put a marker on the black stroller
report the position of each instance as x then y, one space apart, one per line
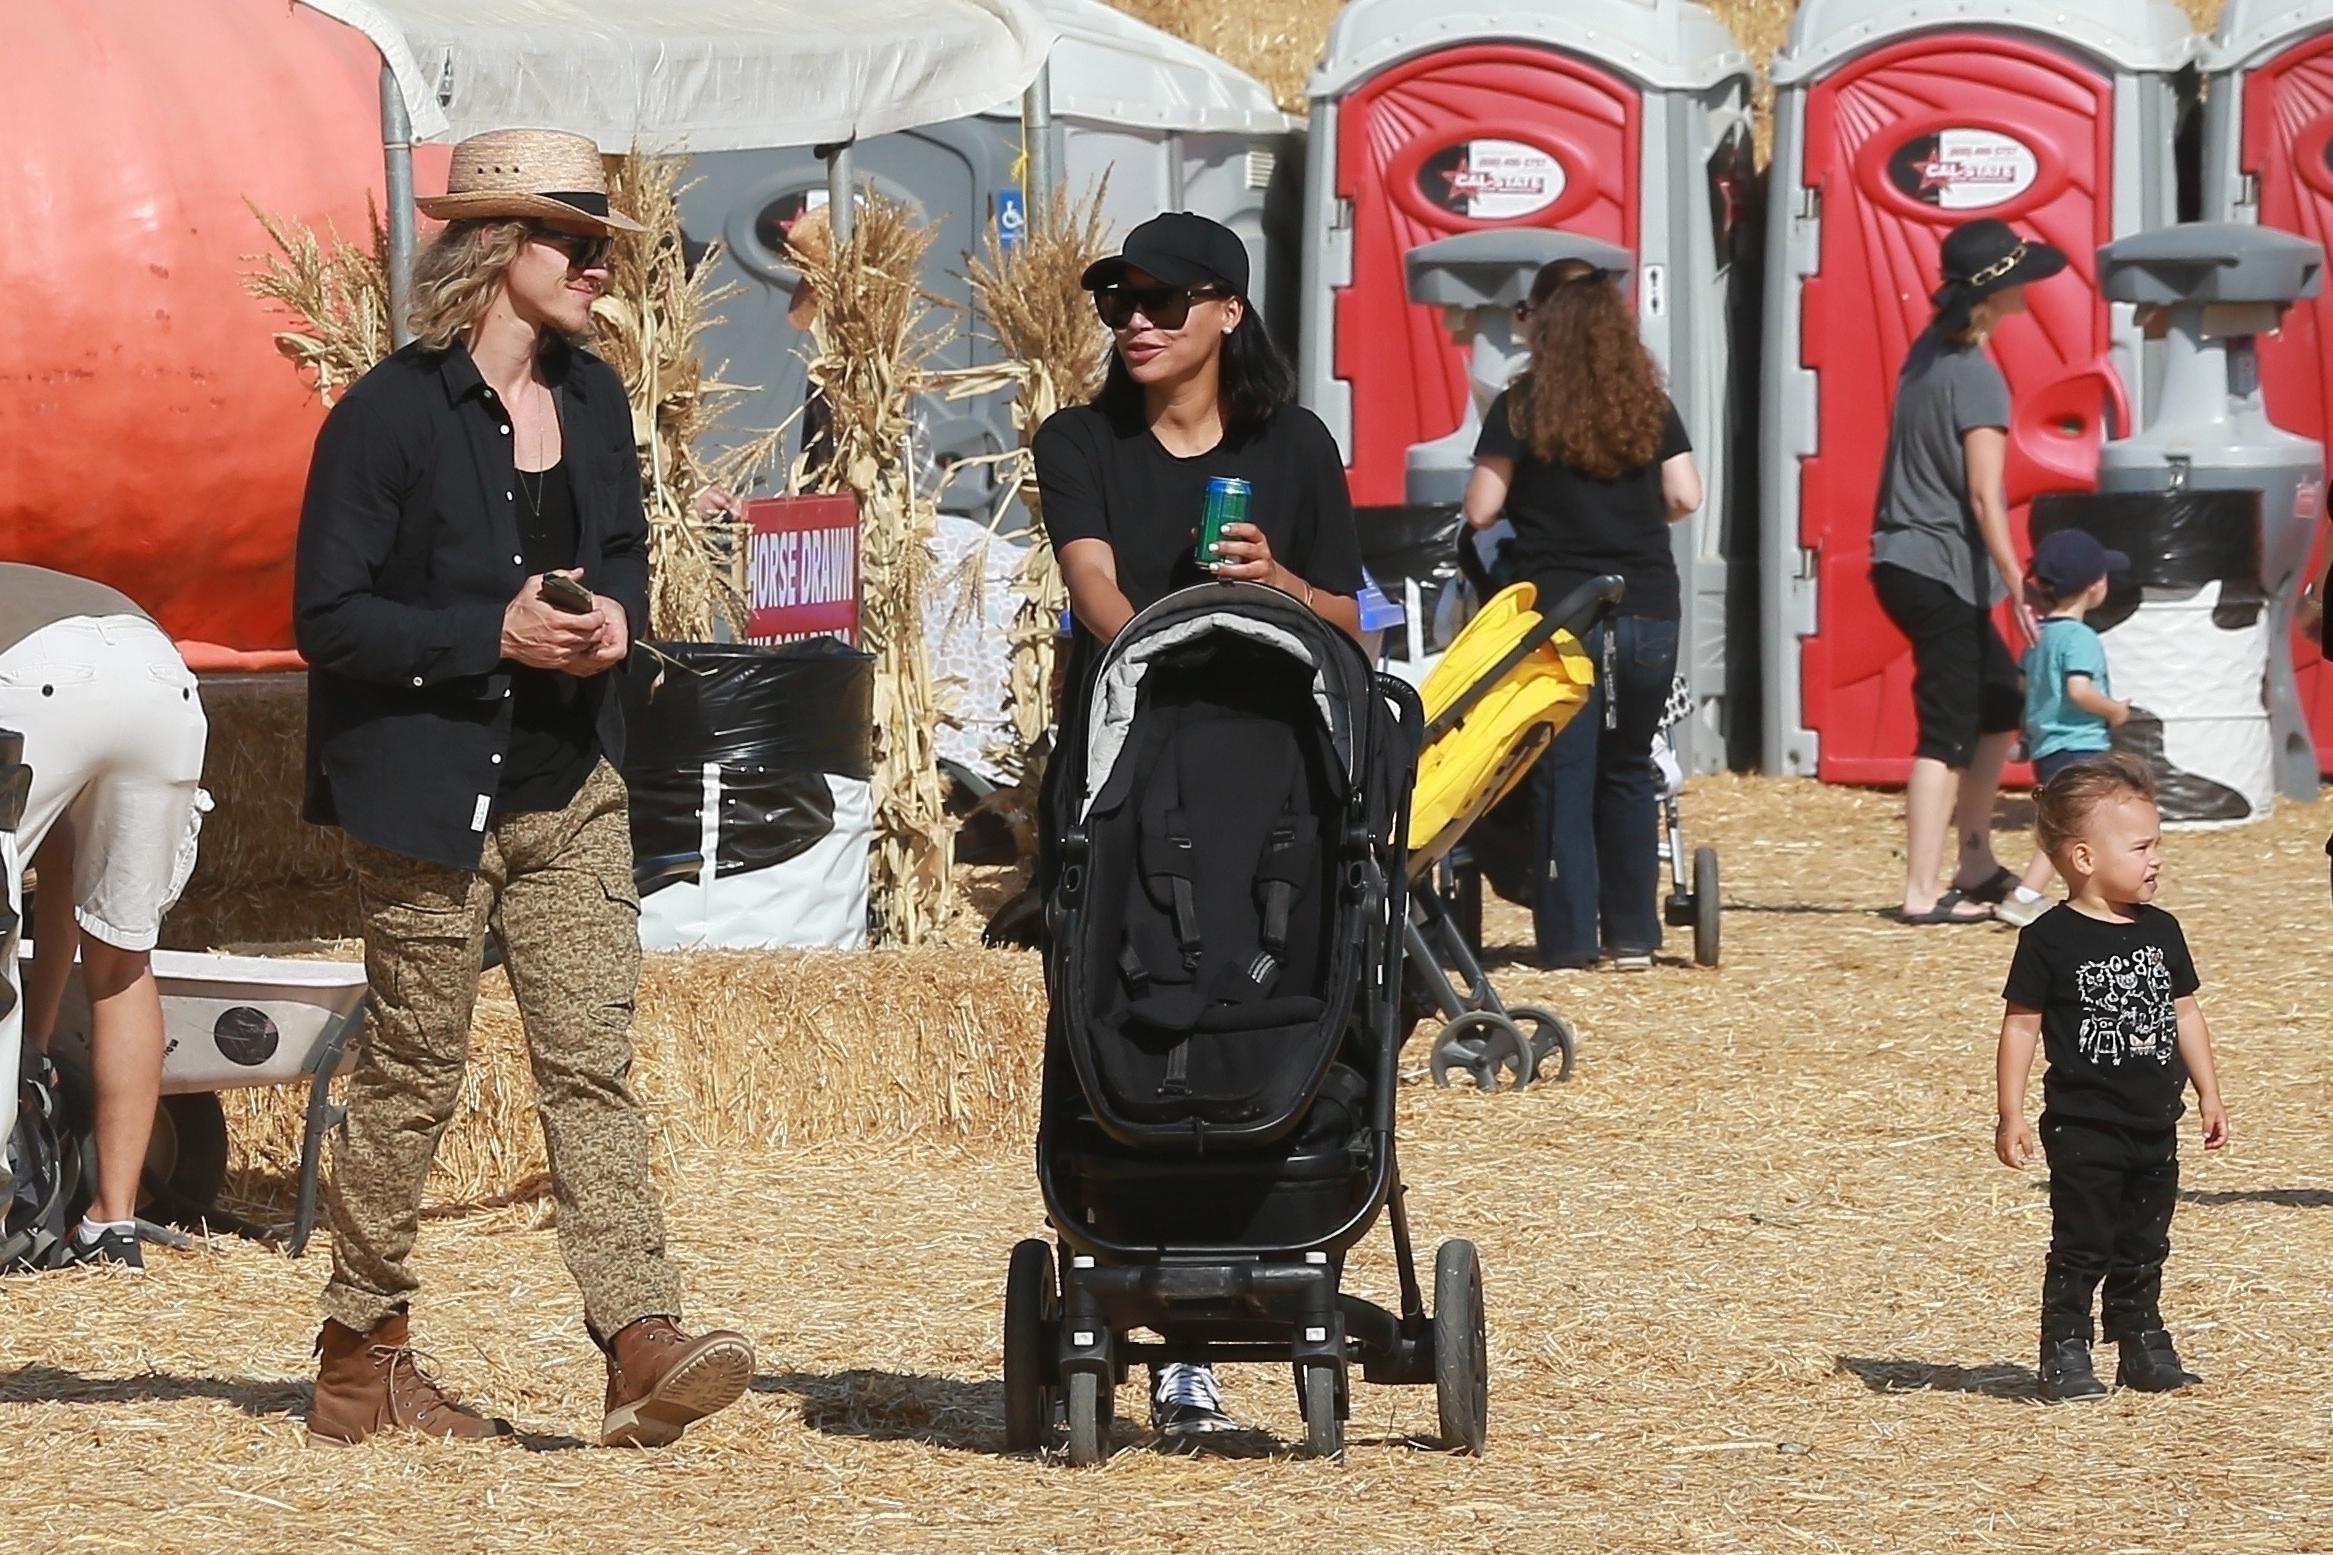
1224 969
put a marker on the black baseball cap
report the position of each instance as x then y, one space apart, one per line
1181 248
2068 560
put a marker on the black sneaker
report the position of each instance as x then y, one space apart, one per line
111 1247
1186 1400
2066 1373
2150 1365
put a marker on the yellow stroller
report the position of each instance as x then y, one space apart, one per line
1504 689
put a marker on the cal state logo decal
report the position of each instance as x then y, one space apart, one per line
1492 180
1964 170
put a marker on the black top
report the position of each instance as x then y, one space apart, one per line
409 552
2106 993
552 743
1105 479
1571 527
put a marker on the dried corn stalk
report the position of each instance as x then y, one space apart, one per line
1043 321
337 291
649 325
874 339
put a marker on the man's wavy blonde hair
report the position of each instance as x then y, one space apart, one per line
454 277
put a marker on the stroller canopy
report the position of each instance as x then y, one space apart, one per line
1250 612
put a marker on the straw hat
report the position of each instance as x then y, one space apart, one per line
548 174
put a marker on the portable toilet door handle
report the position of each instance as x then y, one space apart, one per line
2055 431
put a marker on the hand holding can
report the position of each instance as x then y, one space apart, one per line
1227 503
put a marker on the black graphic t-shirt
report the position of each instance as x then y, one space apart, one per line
2106 992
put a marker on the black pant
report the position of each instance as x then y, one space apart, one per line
2111 1193
1965 683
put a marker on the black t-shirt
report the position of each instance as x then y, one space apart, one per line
2106 992
552 743
1109 479
1571 527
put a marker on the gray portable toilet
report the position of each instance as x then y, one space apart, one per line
1622 122
2222 287
1893 123
2268 158
1172 126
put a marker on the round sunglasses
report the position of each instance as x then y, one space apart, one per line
1166 307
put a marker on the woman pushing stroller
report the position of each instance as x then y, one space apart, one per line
1195 391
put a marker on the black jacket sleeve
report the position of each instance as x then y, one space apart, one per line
349 520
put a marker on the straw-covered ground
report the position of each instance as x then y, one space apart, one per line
1755 1284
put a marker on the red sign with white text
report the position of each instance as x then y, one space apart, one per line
802 569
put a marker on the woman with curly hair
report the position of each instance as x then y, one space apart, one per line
1586 457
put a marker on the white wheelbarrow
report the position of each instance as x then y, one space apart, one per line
230 1023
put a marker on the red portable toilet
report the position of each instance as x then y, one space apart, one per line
2268 158
1624 122
1895 122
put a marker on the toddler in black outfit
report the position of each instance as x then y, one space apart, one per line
2104 982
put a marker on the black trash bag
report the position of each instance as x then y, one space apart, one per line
778 721
1409 544
2174 539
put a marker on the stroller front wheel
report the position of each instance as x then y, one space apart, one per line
1090 1406
1324 1431
1032 1309
1462 1381
1484 1045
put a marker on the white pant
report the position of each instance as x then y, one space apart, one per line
114 733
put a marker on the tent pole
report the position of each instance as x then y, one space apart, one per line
397 152
1037 129
840 209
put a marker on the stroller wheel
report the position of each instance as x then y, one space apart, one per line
1705 906
1324 1429
1031 1312
1484 1045
1090 1407
1550 1035
1462 1374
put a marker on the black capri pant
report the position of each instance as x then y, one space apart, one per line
1964 683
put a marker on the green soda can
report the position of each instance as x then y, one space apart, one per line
1227 503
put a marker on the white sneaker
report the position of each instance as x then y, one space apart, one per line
2018 912
1186 1400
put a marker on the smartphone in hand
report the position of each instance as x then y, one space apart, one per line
566 594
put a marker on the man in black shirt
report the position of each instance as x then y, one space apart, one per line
2105 983
463 731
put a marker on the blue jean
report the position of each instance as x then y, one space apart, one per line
1595 824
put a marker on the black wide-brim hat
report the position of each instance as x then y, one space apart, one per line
1985 256
1180 248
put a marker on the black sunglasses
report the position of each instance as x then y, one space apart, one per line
1167 307
584 250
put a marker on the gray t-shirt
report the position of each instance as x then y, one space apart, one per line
33 597
1925 523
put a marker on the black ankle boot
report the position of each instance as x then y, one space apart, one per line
2066 1373
2150 1365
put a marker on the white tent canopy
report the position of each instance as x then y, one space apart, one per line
675 76
1109 68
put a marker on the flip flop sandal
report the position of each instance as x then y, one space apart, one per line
1945 910
1993 890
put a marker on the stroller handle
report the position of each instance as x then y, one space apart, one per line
1578 613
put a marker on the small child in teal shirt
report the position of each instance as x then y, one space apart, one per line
2070 710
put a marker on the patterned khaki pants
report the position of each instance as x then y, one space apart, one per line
557 888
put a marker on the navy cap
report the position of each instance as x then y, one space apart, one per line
2069 560
1180 248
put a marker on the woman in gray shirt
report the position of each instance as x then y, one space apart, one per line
1941 557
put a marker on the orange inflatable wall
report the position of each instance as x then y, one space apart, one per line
150 435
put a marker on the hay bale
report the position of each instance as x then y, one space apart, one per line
736 1050
262 873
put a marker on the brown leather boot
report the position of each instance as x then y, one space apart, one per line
660 1381
367 1383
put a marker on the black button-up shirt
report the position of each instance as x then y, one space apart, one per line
409 552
